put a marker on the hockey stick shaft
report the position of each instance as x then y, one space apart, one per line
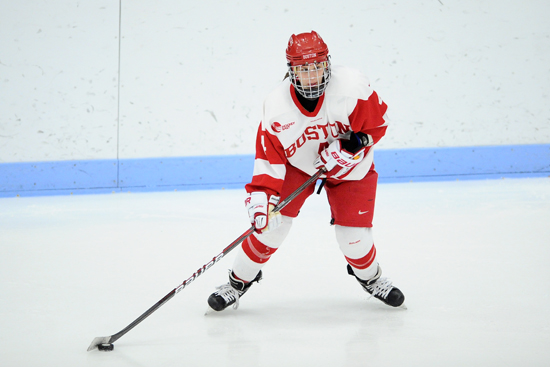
111 339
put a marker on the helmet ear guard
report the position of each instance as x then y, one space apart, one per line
306 49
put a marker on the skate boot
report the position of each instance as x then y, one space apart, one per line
381 288
229 293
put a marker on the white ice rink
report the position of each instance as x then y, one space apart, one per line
472 258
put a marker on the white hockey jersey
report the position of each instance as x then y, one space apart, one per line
289 134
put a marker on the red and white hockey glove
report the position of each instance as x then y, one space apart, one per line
337 160
260 211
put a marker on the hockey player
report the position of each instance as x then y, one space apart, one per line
319 117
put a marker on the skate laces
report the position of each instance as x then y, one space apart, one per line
381 288
229 294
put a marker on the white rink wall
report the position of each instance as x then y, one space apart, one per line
187 78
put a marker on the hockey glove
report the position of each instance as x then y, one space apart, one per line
337 160
260 211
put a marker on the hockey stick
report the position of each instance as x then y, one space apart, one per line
105 342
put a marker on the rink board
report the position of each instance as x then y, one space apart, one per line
234 171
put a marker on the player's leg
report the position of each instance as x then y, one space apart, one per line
358 248
352 209
251 257
257 249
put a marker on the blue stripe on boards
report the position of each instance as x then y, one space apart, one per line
194 173
47 178
439 164
234 171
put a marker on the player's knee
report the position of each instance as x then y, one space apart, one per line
354 241
275 237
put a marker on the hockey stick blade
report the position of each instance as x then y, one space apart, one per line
99 340
113 338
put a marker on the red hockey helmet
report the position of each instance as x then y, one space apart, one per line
308 64
306 48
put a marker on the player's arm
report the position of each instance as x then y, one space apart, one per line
369 120
368 125
267 182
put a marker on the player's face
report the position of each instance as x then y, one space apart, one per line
310 75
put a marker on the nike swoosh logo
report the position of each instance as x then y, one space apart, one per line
360 212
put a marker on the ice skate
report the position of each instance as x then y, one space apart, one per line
382 289
230 293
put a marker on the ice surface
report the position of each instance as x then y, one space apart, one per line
471 257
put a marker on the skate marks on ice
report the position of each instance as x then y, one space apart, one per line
448 246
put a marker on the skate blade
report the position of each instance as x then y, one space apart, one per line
209 311
403 306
